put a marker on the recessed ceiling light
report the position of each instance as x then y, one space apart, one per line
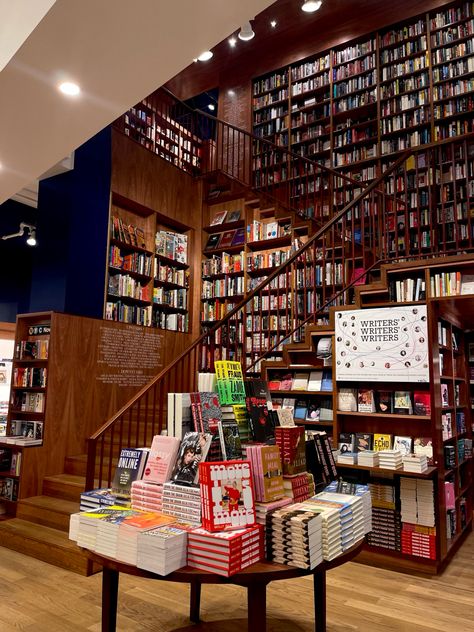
246 33
310 6
69 88
211 107
273 23
205 56
232 41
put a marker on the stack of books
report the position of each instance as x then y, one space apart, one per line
351 513
347 458
162 550
108 530
355 489
299 487
296 537
92 500
418 540
182 502
267 471
147 496
425 502
408 506
130 528
385 529
83 526
390 459
415 463
332 526
368 458
264 510
225 552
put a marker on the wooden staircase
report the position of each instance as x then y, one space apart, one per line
40 528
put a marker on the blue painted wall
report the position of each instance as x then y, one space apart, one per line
15 261
68 273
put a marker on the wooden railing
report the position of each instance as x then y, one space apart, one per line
415 208
145 414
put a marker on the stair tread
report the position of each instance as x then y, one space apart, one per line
39 533
70 479
59 505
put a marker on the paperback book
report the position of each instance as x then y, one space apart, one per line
193 449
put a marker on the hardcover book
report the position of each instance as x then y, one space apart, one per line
347 399
315 381
382 442
239 237
384 401
365 401
213 241
161 459
402 403
230 382
363 441
226 495
194 448
230 439
422 403
424 445
227 238
219 218
313 412
129 468
402 444
233 216
346 442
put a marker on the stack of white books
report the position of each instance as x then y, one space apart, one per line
425 502
296 537
417 463
182 502
356 489
408 505
162 550
390 459
147 496
368 458
347 458
336 525
108 529
130 528
354 530
85 524
264 510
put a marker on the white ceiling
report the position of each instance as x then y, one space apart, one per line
118 51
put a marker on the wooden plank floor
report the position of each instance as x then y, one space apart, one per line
37 597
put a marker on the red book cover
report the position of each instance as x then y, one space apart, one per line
226 239
291 442
227 495
422 403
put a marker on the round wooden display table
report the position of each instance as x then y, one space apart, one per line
255 578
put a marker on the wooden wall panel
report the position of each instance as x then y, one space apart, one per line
149 180
84 387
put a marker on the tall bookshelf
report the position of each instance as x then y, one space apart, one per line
148 274
443 286
357 106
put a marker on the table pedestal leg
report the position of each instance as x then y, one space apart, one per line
110 579
319 581
257 607
195 601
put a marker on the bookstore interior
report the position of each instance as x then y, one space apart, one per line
267 355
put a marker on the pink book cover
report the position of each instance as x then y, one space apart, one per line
449 495
161 459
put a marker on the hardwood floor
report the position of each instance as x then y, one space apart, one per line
37 597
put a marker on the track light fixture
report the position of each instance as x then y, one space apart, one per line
31 240
246 33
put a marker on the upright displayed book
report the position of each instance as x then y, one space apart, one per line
161 459
130 467
226 495
230 382
193 449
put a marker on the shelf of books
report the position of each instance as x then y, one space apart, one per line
27 409
402 420
159 132
357 106
148 271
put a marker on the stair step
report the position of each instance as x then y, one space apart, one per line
47 510
43 543
77 465
65 486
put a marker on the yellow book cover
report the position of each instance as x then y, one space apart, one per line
382 442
